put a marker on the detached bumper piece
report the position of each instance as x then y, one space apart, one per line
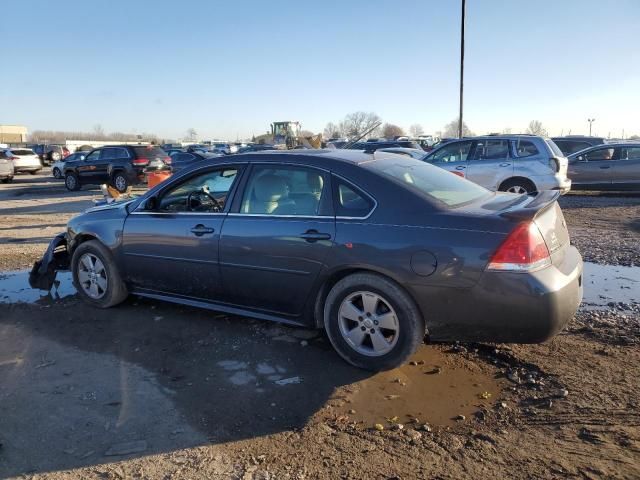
56 258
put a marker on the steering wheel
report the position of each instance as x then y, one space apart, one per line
204 191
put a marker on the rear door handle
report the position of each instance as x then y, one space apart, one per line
605 166
314 235
460 167
200 230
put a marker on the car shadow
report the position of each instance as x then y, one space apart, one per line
101 385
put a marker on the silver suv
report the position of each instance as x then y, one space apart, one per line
509 163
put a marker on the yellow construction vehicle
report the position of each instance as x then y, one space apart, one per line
287 135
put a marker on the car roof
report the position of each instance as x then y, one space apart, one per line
338 154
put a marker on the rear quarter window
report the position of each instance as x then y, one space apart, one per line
350 201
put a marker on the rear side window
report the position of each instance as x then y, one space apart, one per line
525 148
108 154
453 152
350 201
630 153
492 150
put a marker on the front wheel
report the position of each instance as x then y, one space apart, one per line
372 322
57 173
96 276
71 182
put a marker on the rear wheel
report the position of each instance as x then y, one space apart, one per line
120 182
372 322
96 276
518 185
7 180
56 172
71 182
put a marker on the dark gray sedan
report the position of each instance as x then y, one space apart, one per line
379 252
614 166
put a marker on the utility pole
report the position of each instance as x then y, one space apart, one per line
462 17
590 120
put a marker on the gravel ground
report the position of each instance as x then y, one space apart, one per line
152 390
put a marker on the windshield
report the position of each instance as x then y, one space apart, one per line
434 182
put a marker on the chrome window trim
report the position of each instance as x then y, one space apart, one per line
266 215
136 212
371 197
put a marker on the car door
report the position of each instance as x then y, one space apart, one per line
491 163
626 171
593 168
87 168
275 242
170 244
109 156
453 156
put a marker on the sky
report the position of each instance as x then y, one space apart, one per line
230 68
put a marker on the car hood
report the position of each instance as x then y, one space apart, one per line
111 206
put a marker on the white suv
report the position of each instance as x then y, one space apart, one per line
24 160
508 163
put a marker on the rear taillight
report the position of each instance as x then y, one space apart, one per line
167 160
140 161
523 250
554 164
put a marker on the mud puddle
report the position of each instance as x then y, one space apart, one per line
434 388
14 288
604 284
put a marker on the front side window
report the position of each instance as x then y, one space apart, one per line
93 156
284 190
204 193
497 149
599 154
108 154
525 148
454 152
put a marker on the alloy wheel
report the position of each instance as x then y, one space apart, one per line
368 323
92 276
70 181
120 183
517 189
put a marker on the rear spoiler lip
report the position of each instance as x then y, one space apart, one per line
540 203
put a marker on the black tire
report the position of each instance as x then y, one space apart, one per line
411 326
7 180
116 290
56 173
72 182
33 172
119 182
518 185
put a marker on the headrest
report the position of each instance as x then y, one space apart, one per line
270 188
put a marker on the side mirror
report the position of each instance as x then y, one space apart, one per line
151 203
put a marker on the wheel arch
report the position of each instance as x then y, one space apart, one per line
335 276
518 178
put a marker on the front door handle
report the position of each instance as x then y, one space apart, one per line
314 236
605 166
460 167
505 164
200 230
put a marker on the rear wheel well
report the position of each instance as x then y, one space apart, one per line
323 291
522 180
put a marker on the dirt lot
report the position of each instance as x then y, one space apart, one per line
150 390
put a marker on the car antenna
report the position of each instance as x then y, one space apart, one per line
367 132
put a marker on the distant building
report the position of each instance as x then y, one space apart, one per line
13 134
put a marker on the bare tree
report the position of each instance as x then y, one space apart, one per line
357 123
98 131
506 130
389 130
332 131
535 128
192 134
451 129
416 130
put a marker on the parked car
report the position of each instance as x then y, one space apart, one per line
49 154
119 165
574 143
24 160
508 163
325 239
224 148
181 159
606 167
57 168
6 168
416 153
256 147
372 145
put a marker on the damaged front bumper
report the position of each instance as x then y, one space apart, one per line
56 258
